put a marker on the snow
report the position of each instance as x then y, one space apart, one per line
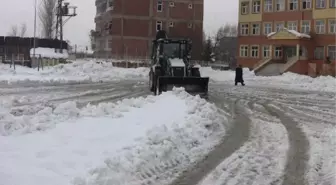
287 80
49 53
294 32
261 160
100 71
78 71
134 141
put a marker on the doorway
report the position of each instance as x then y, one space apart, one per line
290 51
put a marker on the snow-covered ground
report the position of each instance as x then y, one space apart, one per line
134 141
287 80
90 71
78 71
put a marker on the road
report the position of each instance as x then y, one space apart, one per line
267 138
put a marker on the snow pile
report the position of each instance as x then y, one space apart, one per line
79 71
294 32
133 142
49 53
287 80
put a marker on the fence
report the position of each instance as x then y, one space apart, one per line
136 62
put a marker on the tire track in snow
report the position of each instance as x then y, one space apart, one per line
297 155
236 136
260 160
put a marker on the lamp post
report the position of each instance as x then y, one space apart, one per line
35 4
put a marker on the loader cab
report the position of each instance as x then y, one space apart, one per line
171 49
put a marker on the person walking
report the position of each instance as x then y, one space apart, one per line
239 75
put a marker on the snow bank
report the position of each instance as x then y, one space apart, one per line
49 53
287 80
79 71
133 142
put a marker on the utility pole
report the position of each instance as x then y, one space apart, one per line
35 10
63 10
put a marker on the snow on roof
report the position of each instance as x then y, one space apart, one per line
49 53
294 32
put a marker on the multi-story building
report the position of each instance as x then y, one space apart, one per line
126 28
287 35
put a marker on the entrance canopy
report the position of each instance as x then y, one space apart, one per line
287 34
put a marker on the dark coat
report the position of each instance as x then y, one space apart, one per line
239 75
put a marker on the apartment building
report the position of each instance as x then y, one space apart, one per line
126 28
287 35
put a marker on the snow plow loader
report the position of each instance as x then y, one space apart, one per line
170 67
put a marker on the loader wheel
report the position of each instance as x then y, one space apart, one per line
197 73
157 89
151 84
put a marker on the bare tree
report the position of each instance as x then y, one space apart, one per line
23 29
225 42
92 39
13 31
47 17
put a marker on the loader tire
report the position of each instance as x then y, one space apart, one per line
151 82
156 87
197 73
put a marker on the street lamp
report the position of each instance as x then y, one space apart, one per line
35 4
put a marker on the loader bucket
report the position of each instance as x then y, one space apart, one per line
192 85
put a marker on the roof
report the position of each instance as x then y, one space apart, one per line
283 31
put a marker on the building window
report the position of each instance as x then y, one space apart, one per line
292 26
256 29
267 28
319 26
190 25
293 4
190 6
159 6
278 52
158 25
332 52
279 5
332 26
320 3
171 24
268 5
243 51
256 7
279 26
306 4
244 29
305 27
319 53
171 4
332 4
255 51
244 8
266 51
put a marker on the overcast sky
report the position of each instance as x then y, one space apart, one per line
217 13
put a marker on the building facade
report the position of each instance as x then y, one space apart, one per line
126 28
293 35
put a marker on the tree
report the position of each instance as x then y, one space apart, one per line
223 50
92 39
23 30
13 31
207 54
47 16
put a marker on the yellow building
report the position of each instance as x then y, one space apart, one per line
295 35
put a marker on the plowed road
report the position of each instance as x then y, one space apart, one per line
276 136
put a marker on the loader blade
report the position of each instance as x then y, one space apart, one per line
192 85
